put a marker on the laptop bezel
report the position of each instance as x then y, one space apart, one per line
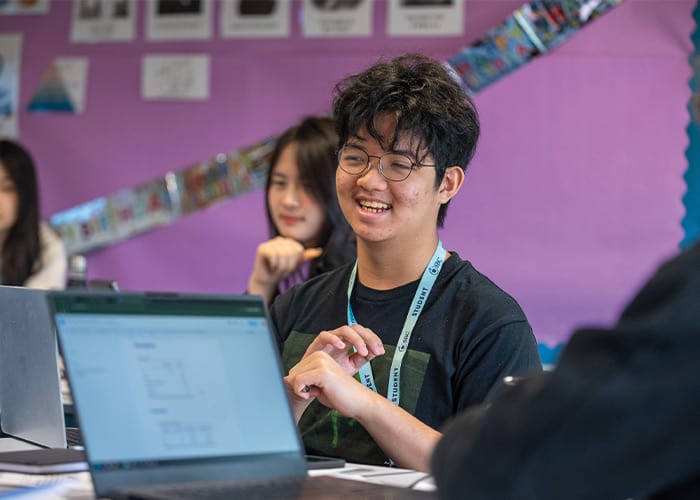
129 476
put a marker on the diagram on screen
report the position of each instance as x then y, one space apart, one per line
185 435
165 378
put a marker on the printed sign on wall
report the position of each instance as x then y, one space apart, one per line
425 17
103 20
175 20
10 56
255 18
336 18
175 77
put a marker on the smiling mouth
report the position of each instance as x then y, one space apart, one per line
374 207
288 219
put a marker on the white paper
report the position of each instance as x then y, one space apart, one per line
48 486
22 7
255 18
425 17
175 77
178 20
10 56
73 71
336 18
103 20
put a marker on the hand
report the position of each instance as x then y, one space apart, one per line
319 376
276 259
336 343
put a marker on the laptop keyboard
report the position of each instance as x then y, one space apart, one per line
250 490
73 437
314 488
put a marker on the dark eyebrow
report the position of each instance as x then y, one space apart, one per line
409 153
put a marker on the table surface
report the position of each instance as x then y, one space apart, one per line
78 486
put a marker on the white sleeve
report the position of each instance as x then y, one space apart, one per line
51 271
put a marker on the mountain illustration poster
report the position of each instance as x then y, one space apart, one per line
62 88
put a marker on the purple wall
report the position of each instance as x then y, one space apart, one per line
572 200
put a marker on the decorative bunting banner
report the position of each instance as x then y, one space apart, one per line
691 199
132 211
532 30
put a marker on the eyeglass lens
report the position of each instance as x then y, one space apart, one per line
393 166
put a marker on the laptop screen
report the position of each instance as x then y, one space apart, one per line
173 378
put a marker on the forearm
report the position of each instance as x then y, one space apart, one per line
405 439
299 406
265 290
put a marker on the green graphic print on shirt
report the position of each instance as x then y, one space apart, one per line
327 432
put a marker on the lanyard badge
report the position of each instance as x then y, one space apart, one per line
419 299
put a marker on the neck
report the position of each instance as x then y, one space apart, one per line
382 266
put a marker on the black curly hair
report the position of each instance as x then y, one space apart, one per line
428 105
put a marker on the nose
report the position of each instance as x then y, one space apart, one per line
291 195
372 173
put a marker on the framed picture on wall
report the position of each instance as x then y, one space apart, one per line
10 57
23 7
178 20
425 17
103 21
336 18
255 18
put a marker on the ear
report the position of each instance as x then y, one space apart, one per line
451 182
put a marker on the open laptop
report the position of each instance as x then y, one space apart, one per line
179 393
31 406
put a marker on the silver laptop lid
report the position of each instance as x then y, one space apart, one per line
176 388
31 406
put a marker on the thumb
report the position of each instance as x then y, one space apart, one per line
311 253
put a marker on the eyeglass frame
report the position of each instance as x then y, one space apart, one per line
368 167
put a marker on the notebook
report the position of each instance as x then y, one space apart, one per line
179 393
31 407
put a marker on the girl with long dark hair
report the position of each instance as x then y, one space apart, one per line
309 234
31 254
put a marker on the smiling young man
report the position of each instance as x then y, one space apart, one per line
381 353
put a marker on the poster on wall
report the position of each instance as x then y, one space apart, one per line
425 17
336 18
103 21
255 18
22 7
10 56
175 77
178 20
62 88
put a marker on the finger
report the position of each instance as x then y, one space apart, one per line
328 338
270 260
352 338
371 340
358 361
311 253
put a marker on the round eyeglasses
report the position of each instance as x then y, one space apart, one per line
394 167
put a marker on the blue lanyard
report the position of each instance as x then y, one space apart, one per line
419 299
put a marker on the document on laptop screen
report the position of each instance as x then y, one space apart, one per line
180 386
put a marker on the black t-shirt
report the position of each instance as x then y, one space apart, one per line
469 335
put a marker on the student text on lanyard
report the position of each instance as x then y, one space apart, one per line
419 299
